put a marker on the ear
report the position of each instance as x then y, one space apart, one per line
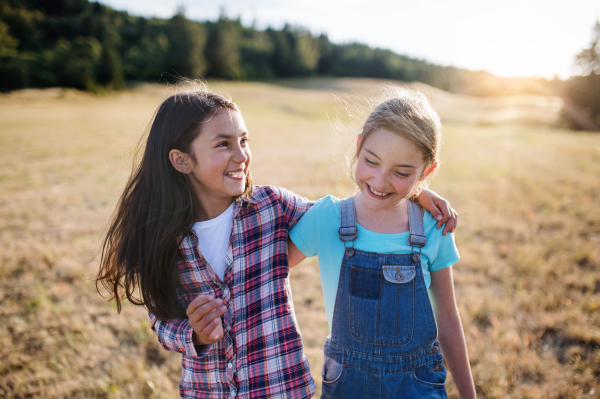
428 171
180 161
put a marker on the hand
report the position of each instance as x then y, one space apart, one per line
204 315
440 209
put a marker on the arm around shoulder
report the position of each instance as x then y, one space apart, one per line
293 205
440 209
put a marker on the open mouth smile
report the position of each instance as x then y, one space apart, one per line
235 175
378 194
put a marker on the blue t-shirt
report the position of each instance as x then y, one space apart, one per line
316 233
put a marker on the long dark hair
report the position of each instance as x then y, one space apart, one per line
157 209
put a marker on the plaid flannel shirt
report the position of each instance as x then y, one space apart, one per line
260 354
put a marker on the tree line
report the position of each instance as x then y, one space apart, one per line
90 46
582 92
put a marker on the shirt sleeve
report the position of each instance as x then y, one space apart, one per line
293 205
442 250
447 254
305 234
176 335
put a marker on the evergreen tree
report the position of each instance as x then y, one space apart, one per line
223 49
110 71
144 48
256 49
282 52
8 44
305 52
187 40
75 64
13 70
325 66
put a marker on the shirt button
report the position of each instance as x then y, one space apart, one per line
232 392
228 328
230 365
225 291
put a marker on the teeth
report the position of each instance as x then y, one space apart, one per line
235 174
378 193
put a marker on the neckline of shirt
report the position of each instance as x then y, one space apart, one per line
216 220
372 233
381 235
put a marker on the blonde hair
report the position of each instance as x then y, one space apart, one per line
408 114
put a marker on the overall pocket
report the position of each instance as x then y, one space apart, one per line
382 304
332 371
432 374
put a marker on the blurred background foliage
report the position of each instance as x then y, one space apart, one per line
90 46
583 91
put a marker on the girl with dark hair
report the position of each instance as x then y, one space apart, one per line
206 252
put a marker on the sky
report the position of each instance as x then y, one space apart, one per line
507 38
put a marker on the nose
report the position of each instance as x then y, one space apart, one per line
379 180
241 154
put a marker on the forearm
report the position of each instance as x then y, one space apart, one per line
440 209
454 349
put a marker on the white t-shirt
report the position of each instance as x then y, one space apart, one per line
213 239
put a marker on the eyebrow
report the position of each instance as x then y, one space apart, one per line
228 136
401 165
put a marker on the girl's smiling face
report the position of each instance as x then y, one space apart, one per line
221 158
388 168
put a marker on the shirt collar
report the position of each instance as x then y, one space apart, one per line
241 202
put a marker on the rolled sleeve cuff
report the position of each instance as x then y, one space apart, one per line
187 343
202 350
178 336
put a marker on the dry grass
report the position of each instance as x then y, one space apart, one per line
528 282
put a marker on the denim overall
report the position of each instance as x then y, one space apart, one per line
383 343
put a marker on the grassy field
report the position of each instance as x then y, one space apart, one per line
528 282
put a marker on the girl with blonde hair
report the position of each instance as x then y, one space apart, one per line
386 270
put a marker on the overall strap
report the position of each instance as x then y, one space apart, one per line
415 223
347 229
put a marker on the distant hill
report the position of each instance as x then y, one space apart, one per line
532 109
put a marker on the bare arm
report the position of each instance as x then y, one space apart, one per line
450 332
294 254
440 209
